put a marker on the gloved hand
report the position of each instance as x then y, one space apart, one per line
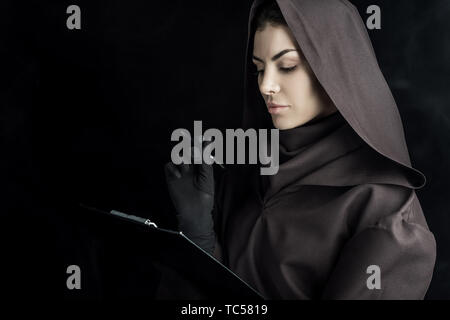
191 188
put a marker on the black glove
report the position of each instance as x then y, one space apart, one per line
191 188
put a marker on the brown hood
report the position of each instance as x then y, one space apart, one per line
335 42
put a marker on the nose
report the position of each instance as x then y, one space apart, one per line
269 85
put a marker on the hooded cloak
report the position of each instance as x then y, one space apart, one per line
343 201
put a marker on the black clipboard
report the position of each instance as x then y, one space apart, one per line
186 270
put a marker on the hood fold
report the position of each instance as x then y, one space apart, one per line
334 40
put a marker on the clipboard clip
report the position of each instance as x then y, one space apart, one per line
150 223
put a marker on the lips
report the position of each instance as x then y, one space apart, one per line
276 108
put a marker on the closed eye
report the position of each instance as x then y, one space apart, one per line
284 70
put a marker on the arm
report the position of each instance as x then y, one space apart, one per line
404 251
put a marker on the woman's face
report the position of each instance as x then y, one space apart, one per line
292 93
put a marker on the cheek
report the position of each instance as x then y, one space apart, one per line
299 87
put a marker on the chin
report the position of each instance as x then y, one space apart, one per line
282 123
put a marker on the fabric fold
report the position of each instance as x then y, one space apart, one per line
344 196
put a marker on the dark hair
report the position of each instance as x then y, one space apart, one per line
268 12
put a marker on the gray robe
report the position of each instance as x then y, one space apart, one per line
343 201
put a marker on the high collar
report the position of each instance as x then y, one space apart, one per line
293 141
306 149
328 152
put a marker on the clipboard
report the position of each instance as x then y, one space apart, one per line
186 270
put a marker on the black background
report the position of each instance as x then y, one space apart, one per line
86 116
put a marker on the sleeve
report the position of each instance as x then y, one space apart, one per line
390 260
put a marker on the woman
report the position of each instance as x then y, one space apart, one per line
340 219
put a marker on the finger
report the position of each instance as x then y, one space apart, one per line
205 178
196 155
205 141
171 171
185 168
206 170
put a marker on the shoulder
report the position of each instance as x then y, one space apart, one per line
384 206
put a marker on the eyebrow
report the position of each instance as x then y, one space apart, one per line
277 56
